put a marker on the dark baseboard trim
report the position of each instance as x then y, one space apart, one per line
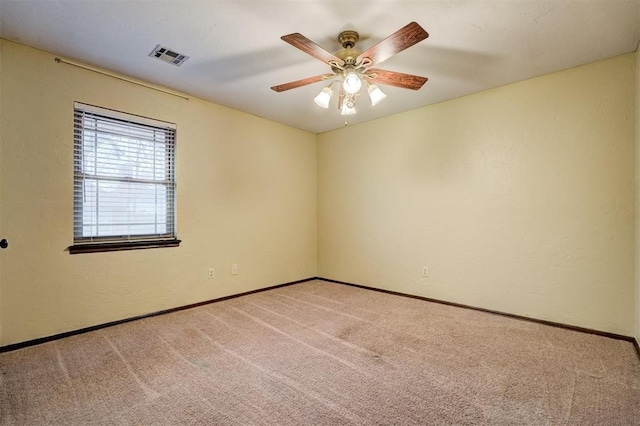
504 314
40 340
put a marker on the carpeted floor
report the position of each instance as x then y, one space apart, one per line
320 353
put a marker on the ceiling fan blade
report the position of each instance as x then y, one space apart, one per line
307 46
402 39
397 79
300 83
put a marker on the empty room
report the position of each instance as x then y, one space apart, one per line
319 212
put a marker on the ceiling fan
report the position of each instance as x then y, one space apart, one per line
352 67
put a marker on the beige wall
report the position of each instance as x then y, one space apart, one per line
1 186
518 199
247 195
637 247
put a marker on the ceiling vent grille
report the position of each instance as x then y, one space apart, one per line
167 55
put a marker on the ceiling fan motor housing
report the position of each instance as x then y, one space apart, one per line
349 53
348 39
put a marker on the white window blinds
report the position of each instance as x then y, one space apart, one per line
124 177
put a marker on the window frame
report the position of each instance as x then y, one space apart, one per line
131 241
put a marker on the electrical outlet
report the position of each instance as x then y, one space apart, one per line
425 271
212 273
234 269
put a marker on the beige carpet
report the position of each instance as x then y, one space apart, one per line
320 353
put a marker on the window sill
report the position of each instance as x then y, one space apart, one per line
119 246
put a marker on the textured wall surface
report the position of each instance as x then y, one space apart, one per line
637 252
1 190
246 195
518 199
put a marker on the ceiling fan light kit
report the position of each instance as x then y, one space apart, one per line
348 105
323 98
352 83
351 67
375 94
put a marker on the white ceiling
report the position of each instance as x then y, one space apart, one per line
236 54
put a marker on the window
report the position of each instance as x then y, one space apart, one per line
124 181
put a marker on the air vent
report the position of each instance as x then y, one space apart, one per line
167 55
